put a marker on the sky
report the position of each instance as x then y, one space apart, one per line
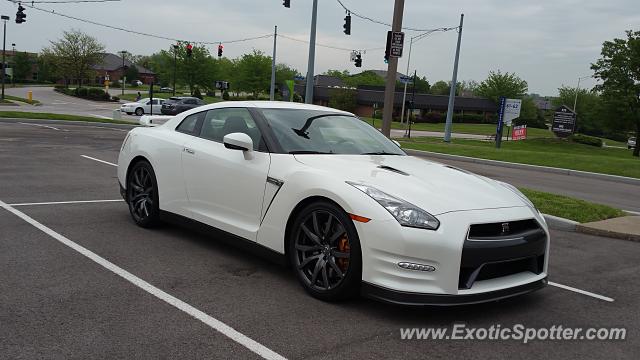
547 43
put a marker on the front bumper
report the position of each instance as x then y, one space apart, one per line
408 298
457 267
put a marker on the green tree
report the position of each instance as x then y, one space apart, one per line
75 54
337 73
254 72
131 73
22 64
422 85
498 84
364 78
343 99
619 72
440 88
197 70
284 73
590 119
46 68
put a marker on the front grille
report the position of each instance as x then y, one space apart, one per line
490 252
503 230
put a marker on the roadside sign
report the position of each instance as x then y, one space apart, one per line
222 85
406 79
503 102
511 110
564 121
519 133
299 77
395 43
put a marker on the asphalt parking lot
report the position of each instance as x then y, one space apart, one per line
79 280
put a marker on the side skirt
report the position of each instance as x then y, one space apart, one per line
225 237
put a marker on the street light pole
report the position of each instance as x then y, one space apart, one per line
308 95
454 83
175 67
122 78
575 100
13 66
272 92
404 93
4 41
392 70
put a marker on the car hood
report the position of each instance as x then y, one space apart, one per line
434 187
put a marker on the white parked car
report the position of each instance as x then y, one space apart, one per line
631 143
345 207
143 106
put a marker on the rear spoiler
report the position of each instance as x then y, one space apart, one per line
149 120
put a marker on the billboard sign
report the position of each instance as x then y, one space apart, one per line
564 121
511 110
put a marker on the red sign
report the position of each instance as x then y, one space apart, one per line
519 132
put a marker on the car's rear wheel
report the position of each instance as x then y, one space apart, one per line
324 250
142 195
139 111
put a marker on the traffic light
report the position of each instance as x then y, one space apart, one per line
189 50
347 24
358 60
286 3
20 15
387 50
220 48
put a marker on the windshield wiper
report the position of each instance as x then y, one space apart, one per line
308 152
379 153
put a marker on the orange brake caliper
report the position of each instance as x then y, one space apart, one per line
343 246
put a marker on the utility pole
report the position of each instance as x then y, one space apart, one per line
308 95
404 93
5 18
454 83
175 67
413 102
13 66
272 93
390 88
122 78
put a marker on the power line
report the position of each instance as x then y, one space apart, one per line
380 22
63 1
329 46
53 12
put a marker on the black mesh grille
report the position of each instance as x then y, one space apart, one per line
507 229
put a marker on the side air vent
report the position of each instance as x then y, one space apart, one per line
389 168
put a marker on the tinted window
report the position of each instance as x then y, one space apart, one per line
190 101
221 122
320 132
190 123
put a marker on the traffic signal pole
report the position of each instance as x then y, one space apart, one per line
454 83
390 88
308 95
272 92
4 41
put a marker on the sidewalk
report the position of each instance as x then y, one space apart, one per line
625 228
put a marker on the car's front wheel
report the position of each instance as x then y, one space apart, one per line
324 250
139 111
142 195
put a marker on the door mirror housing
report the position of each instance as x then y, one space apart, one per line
238 141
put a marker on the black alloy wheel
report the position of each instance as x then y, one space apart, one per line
325 252
142 195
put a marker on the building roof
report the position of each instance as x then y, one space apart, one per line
113 62
329 81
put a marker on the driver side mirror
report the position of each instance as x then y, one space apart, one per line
238 141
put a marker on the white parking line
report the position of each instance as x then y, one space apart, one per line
215 324
67 202
44 126
98 160
583 292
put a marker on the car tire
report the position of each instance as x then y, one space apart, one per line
142 195
329 267
139 111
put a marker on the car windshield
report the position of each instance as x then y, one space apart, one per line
317 132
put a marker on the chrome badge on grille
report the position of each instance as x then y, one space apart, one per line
505 228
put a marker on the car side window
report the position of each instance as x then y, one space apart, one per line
220 122
189 124
190 102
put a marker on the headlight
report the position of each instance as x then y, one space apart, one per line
519 193
407 214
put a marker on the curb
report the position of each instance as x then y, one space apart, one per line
67 122
607 233
558 223
547 169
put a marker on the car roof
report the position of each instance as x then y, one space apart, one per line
276 105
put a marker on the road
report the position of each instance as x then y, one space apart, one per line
56 103
58 302
619 195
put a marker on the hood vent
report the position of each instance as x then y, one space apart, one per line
389 168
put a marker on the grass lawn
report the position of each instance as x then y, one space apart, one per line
49 116
16 98
546 152
570 208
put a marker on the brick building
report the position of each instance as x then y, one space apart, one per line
112 65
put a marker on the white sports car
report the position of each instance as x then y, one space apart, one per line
345 207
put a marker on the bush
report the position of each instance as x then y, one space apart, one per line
197 93
225 95
115 98
81 92
586 139
432 117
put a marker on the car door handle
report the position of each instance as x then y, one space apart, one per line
189 151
